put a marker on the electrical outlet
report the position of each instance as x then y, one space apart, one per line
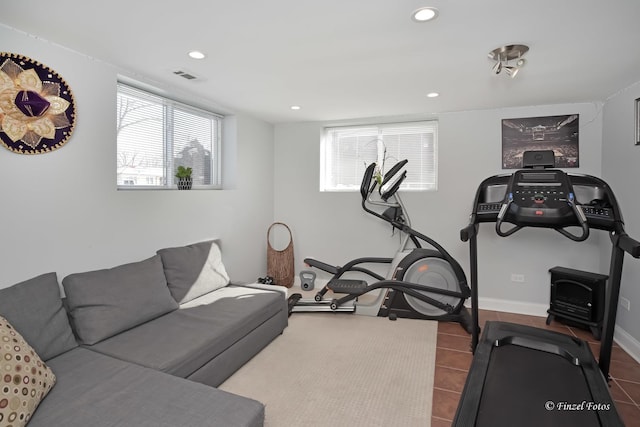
625 303
519 278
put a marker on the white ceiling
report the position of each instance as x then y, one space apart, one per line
341 59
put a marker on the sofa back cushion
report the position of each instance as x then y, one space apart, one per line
194 270
103 303
34 308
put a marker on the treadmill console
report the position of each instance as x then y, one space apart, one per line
597 201
592 195
597 213
540 198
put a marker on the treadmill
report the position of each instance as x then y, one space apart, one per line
526 376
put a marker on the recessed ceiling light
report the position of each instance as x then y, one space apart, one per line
196 54
295 107
424 14
433 95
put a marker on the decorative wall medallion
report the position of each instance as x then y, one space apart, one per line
37 109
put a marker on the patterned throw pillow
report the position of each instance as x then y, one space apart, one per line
24 379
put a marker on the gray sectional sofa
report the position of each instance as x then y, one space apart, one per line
141 344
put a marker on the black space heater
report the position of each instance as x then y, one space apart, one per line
578 298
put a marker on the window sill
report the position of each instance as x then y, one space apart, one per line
155 188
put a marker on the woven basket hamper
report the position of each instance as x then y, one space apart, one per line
280 263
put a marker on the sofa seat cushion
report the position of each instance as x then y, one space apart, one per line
34 308
181 342
105 302
100 391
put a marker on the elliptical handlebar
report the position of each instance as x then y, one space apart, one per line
394 170
368 183
393 180
393 188
389 185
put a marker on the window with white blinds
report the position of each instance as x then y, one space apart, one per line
347 151
156 135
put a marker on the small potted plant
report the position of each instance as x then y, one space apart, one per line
184 178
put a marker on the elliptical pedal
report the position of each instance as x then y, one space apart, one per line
292 301
347 286
310 305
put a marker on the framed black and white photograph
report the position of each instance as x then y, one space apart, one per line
637 120
557 133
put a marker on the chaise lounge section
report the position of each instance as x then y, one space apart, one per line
146 343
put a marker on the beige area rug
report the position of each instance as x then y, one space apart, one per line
339 369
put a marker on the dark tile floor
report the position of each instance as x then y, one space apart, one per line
453 358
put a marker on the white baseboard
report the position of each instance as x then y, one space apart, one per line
627 343
620 336
507 306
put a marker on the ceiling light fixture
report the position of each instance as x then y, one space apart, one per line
196 54
424 14
433 95
503 55
295 107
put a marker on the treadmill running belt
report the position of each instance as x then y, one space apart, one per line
526 387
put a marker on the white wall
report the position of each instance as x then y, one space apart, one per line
332 226
61 211
620 162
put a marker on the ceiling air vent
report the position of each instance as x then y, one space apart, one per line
185 75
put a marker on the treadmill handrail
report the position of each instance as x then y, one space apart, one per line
629 245
582 221
469 231
503 210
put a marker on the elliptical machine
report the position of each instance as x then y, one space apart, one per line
420 283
